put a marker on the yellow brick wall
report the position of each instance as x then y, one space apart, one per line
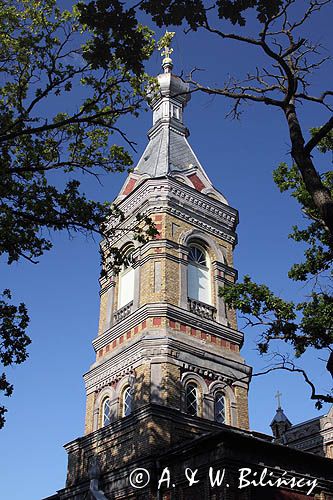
171 386
242 407
142 386
172 292
103 312
90 403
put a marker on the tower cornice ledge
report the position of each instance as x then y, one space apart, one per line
157 348
170 195
173 313
182 191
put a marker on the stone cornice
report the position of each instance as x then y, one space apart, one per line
187 354
171 312
223 268
170 195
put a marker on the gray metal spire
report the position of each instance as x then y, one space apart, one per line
168 153
168 150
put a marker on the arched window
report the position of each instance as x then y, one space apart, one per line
127 401
220 408
126 281
191 399
198 283
106 412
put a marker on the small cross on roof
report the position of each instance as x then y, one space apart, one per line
278 397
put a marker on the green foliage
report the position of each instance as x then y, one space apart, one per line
258 302
117 34
165 40
308 323
175 12
48 62
14 341
326 144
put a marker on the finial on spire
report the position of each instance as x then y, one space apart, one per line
278 397
165 44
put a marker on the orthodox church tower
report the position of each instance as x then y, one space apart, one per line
168 389
168 366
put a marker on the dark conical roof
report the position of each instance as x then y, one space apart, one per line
280 417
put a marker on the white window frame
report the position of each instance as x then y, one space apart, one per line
195 403
127 408
126 283
199 285
106 419
220 416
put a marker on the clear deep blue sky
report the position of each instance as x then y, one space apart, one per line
61 292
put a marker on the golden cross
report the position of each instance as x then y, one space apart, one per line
167 52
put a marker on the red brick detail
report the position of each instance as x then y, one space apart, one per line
197 183
114 343
158 217
172 323
136 329
193 332
128 334
208 381
157 321
107 348
121 340
129 186
182 327
144 324
203 335
213 339
100 353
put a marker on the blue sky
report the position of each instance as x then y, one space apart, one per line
61 292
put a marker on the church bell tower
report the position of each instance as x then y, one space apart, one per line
168 366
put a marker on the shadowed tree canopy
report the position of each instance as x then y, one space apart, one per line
282 82
58 120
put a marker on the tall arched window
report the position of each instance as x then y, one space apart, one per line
191 399
126 281
220 408
106 412
198 283
127 401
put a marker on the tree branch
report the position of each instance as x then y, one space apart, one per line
322 132
326 398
